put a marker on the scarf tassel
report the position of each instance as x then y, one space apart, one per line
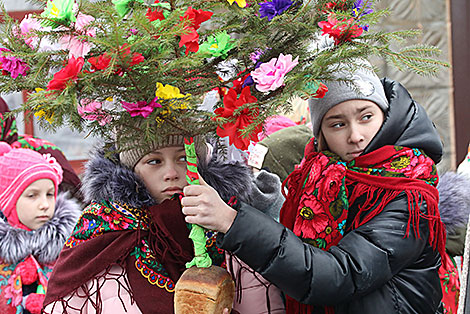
437 233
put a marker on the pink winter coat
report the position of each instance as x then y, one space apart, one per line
250 296
112 303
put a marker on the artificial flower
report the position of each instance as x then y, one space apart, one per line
359 10
158 11
93 111
27 27
100 63
337 5
122 6
127 58
141 108
274 8
58 13
66 76
244 79
42 114
270 76
254 56
218 45
168 92
233 128
316 89
76 47
79 47
103 61
12 64
191 37
340 31
241 3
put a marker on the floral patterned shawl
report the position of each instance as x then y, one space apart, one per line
322 188
152 245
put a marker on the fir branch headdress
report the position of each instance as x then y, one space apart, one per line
144 68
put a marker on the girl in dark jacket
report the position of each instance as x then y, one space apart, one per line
360 230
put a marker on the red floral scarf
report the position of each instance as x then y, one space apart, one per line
322 187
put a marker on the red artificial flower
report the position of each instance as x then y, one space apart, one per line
238 83
103 61
196 17
67 75
337 5
154 13
341 31
242 120
191 38
321 91
100 63
125 53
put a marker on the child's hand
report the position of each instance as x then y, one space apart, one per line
203 206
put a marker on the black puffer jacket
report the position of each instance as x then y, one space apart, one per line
374 268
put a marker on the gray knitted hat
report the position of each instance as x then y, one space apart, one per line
131 157
363 80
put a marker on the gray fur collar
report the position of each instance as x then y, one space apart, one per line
454 200
44 243
107 179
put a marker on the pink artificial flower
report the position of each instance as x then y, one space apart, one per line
76 47
27 27
81 24
79 47
13 64
141 108
92 111
270 76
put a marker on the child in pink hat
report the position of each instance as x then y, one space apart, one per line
36 222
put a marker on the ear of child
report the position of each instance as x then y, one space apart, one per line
202 205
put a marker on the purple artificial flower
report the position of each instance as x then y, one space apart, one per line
248 81
254 56
13 65
356 11
274 8
141 108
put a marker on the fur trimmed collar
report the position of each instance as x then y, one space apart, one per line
44 243
107 179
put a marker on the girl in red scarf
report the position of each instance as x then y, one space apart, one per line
360 229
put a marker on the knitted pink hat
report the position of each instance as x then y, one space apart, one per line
19 167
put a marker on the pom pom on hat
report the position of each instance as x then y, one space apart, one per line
28 271
34 302
364 85
4 148
19 167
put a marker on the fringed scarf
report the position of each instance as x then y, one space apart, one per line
322 188
152 246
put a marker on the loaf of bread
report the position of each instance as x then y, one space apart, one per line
204 290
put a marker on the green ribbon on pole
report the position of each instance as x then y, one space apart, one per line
197 235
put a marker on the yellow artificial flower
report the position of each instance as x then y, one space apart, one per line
168 92
48 116
241 3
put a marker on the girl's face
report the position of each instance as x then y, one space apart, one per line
349 127
36 205
163 172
